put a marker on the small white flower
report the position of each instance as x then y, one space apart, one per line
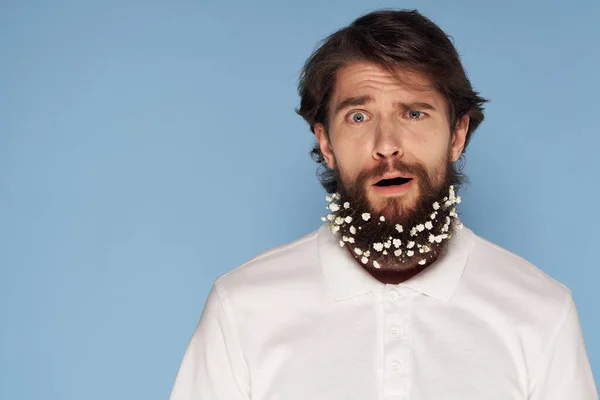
366 216
339 220
458 199
445 228
385 253
346 205
433 215
429 225
376 264
410 245
382 218
342 243
425 249
335 228
431 238
420 227
410 253
364 260
438 239
348 219
335 196
378 246
367 253
399 228
444 236
422 262
350 240
398 252
330 217
334 207
357 251
353 230
323 219
460 225
413 232
397 243
436 206
387 244
448 203
328 198
448 220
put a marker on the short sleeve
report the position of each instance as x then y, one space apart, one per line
213 367
564 371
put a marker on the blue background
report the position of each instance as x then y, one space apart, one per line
148 147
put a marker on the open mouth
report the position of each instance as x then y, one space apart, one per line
393 182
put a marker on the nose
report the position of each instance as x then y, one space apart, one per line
388 141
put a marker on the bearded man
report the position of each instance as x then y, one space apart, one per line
391 298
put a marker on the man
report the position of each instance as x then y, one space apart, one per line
391 298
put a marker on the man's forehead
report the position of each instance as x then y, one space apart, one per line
362 78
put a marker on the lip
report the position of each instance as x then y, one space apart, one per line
391 176
394 190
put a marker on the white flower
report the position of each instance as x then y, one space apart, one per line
425 249
346 205
323 219
385 253
413 232
348 219
366 216
328 198
353 230
436 206
350 240
458 199
438 239
398 252
397 243
445 228
342 243
378 246
410 253
334 207
422 262
387 244
330 217
410 245
428 225
339 220
367 253
376 264
460 225
431 238
399 228
420 227
335 228
364 260
358 251
382 218
448 203
433 215
448 220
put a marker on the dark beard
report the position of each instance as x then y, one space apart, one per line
394 268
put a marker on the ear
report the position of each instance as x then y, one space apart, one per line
325 145
459 137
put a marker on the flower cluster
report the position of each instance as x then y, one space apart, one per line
431 232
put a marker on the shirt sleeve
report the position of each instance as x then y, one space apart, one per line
213 367
564 371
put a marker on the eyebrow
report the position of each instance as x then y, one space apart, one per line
366 99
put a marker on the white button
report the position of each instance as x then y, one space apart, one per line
395 367
392 295
395 331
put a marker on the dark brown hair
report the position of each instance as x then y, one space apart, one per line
393 39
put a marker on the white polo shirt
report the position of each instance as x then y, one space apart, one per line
304 321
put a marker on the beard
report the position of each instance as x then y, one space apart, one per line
397 241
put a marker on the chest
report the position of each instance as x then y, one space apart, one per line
385 347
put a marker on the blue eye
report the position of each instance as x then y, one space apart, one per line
414 114
358 117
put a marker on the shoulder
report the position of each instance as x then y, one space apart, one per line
285 265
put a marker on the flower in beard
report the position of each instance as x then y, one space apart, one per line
409 230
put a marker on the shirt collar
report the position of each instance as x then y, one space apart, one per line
346 278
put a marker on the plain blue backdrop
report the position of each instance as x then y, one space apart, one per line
148 147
